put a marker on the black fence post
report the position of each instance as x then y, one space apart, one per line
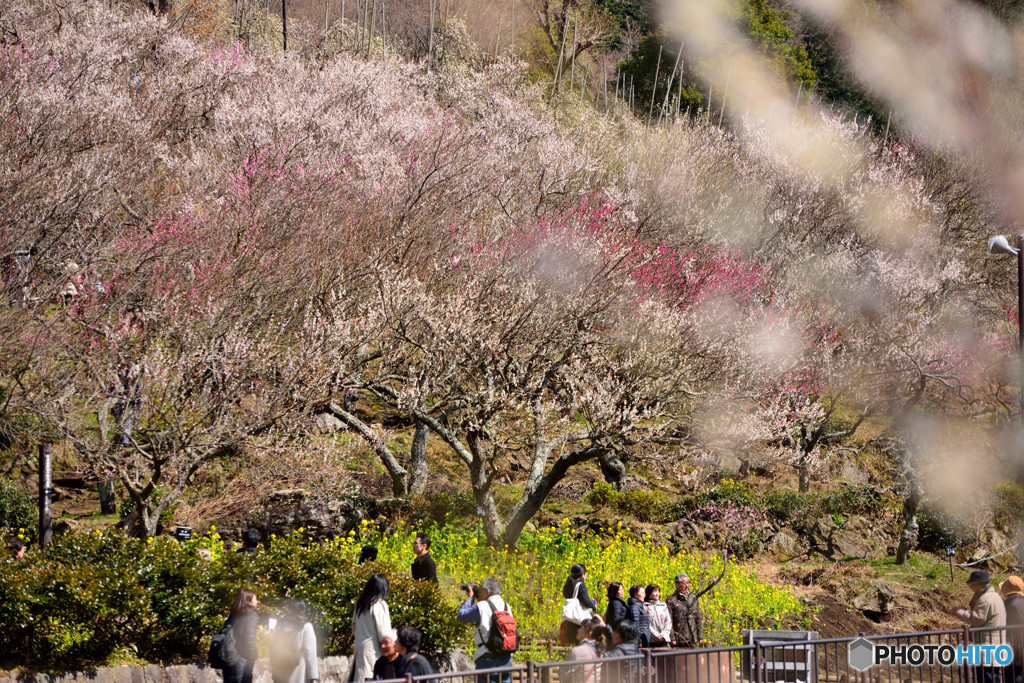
967 672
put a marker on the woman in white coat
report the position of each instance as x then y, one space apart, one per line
372 620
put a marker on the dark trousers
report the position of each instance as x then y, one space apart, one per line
492 661
988 674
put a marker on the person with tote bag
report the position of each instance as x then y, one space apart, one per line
578 604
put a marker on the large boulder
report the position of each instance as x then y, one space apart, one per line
325 423
855 544
849 471
318 516
875 600
784 546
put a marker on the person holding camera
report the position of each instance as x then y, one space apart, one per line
482 603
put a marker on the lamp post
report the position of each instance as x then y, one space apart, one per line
1000 245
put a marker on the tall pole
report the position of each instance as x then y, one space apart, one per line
45 494
1020 318
430 37
284 23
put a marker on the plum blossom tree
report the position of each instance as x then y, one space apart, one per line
552 345
187 349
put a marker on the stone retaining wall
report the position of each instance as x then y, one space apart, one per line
332 670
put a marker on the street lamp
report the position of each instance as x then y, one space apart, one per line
999 245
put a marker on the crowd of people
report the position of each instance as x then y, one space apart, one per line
998 612
382 652
675 622
643 620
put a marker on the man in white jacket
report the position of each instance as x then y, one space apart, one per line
488 598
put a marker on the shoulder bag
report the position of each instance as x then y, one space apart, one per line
573 611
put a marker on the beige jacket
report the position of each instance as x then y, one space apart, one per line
986 609
581 673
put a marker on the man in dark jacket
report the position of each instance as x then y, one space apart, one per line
1013 599
624 637
687 620
423 567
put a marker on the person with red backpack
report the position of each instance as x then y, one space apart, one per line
496 635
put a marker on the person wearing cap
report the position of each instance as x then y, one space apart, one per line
1013 600
986 610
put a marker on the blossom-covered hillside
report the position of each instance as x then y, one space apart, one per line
205 245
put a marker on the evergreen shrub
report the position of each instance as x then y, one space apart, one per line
96 595
641 504
938 527
1008 504
17 509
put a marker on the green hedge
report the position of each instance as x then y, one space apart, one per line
98 598
782 506
17 510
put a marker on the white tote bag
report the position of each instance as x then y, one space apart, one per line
573 611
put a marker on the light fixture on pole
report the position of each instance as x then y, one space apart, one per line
1000 245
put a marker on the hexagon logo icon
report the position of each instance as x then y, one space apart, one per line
862 654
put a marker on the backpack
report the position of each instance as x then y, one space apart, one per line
286 647
503 638
223 650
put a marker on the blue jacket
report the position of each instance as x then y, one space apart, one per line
638 613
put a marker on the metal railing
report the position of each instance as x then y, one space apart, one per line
823 660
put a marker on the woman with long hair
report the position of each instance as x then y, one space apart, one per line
243 620
575 587
617 610
372 620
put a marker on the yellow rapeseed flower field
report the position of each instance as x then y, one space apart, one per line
532 576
